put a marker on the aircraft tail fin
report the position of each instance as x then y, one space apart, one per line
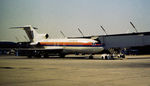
32 34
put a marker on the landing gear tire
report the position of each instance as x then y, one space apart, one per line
90 57
106 58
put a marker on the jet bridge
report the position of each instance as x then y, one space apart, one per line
125 40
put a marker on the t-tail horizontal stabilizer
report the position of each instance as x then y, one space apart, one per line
32 33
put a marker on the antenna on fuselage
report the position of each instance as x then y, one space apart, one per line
104 30
81 32
133 27
63 34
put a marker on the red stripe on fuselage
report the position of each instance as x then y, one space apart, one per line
65 43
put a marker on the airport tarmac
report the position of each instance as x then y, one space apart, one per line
74 71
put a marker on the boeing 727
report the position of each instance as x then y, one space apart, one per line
42 45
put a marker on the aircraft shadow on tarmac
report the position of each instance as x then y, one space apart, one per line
86 57
50 57
68 57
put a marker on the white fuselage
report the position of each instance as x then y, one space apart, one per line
69 46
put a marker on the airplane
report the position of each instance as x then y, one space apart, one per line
43 46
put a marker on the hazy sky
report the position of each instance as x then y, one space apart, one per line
51 16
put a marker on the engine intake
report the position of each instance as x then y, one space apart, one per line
46 36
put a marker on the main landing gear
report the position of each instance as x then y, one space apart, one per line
91 57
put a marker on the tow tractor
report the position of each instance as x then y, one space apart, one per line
112 56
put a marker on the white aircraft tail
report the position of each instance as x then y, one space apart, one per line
32 34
